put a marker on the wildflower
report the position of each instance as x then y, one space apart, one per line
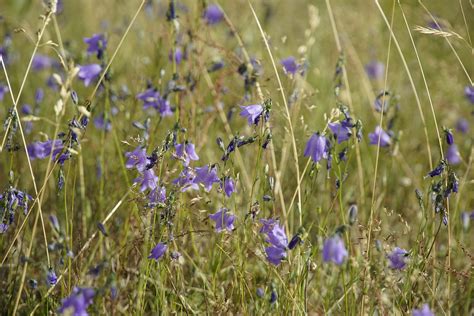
223 220
229 186
295 241
96 44
379 133
158 251
375 70
39 95
452 155
277 237
275 255
397 258
186 180
213 14
289 64
101 123
424 311
252 113
334 250
449 136
178 55
260 292
207 176
187 152
157 195
41 62
51 277
77 302
438 170
148 180
273 297
54 222
317 147
150 98
341 130
42 150
88 73
267 225
3 91
137 159
462 125
469 93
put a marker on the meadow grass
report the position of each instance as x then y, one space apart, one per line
168 157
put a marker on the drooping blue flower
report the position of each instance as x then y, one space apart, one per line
54 222
185 180
187 152
375 70
289 65
223 219
42 150
96 44
89 73
207 176
41 62
397 258
452 155
385 139
449 136
148 180
424 311
51 277
275 254
158 251
157 195
229 186
178 55
137 159
101 123
152 99
277 237
78 302
213 14
267 225
252 113
341 130
39 95
469 93
462 126
334 250
317 147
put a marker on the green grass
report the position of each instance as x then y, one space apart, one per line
219 273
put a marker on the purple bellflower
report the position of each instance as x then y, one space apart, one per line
89 73
278 240
157 195
229 186
375 70
158 251
76 304
137 159
317 147
452 155
289 65
96 44
148 180
3 91
385 139
41 62
334 250
185 180
462 126
252 113
223 220
207 176
187 152
51 277
213 14
42 150
397 258
469 93
424 311
341 130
